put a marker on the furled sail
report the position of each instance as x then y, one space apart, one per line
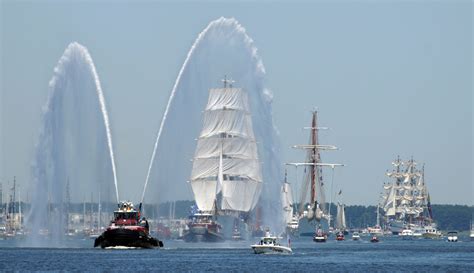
226 170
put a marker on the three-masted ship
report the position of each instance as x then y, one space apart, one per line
406 201
226 177
311 213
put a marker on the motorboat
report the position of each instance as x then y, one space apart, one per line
406 234
340 236
374 239
452 236
270 245
320 236
355 236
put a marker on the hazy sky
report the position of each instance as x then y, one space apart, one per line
391 78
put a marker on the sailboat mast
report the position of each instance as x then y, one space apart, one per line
314 142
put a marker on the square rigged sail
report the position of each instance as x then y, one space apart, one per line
226 170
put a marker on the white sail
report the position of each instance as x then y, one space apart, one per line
226 165
287 202
340 217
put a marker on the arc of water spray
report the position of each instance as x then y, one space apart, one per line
170 100
103 108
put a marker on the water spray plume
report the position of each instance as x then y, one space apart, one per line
222 48
75 141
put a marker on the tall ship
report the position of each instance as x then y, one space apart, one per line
406 200
313 211
226 177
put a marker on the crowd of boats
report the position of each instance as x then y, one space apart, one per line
226 180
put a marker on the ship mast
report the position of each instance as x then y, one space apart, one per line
315 164
226 176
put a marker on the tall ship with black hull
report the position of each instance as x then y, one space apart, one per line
313 212
226 178
127 229
406 201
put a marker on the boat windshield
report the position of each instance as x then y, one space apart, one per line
125 215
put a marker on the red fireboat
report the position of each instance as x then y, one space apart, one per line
128 230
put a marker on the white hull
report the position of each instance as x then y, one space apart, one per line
271 249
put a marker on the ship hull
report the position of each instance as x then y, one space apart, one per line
197 235
261 249
396 227
126 237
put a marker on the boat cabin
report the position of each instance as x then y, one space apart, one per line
126 215
268 241
201 218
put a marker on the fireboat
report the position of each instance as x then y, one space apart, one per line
127 229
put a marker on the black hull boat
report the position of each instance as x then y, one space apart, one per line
127 238
127 230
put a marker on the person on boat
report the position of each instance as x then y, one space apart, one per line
144 223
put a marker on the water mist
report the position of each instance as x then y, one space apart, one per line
74 147
222 48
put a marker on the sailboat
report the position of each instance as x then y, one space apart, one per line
226 178
341 220
291 220
377 229
312 214
406 201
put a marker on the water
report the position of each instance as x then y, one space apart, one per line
390 255
74 159
222 48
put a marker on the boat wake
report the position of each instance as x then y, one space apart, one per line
122 247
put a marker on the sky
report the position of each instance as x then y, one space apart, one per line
389 78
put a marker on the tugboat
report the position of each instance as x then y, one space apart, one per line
127 229
269 245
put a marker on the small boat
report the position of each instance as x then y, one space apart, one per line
127 230
374 239
236 235
270 245
431 232
355 236
452 236
340 236
406 234
320 236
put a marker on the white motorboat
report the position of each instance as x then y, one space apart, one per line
406 234
270 245
431 232
355 236
452 236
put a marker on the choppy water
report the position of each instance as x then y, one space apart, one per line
390 255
